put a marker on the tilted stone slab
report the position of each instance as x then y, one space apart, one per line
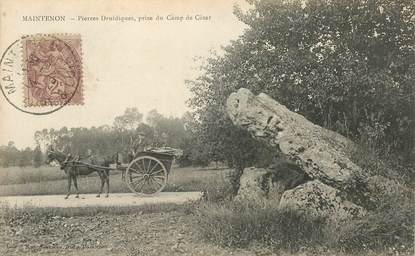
321 153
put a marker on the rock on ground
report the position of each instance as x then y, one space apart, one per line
268 184
318 199
250 187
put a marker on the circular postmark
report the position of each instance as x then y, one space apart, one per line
41 74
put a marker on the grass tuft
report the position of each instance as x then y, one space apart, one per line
239 224
390 227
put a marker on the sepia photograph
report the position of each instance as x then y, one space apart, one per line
199 128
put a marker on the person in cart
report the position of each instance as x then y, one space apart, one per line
138 145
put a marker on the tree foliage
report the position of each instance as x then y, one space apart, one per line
345 65
37 157
158 131
11 156
129 120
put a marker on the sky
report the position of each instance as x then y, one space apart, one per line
125 64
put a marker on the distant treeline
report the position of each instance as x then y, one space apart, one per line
11 156
109 139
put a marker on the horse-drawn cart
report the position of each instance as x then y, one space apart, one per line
146 174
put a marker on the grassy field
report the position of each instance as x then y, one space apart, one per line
51 180
23 175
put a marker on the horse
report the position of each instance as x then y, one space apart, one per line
73 169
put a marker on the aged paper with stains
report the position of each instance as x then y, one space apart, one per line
81 63
77 77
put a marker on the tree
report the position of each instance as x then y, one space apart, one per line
194 152
25 157
154 118
168 131
129 120
4 161
345 65
37 157
125 126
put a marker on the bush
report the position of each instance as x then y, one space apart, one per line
388 227
378 168
217 191
239 224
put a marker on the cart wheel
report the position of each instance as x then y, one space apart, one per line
146 175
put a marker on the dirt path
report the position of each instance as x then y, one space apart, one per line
87 200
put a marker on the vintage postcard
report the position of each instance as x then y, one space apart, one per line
190 127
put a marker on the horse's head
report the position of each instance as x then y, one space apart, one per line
52 155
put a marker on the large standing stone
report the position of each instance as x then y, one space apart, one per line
321 153
334 185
